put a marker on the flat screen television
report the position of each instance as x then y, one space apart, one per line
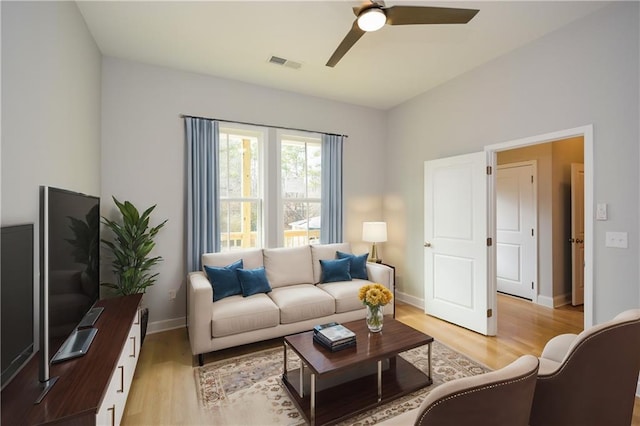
16 295
69 273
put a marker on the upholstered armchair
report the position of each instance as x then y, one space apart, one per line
590 378
499 398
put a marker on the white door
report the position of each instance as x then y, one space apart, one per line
577 234
456 252
515 230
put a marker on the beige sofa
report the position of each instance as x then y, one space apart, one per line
298 299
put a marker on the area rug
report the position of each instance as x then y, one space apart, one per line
247 390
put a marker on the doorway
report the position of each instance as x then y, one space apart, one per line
475 295
554 279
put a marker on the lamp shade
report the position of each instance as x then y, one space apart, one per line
374 232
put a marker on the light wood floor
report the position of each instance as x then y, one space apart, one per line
164 390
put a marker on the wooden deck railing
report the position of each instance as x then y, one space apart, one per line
292 238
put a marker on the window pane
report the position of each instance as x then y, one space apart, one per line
293 165
301 223
314 167
240 225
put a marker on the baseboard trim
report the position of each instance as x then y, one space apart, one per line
165 325
545 301
410 300
561 300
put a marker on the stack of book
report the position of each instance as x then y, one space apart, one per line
334 336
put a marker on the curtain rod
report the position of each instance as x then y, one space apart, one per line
261 125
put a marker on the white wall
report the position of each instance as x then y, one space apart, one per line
585 73
143 148
50 107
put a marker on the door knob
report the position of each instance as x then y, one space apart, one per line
427 244
571 240
579 241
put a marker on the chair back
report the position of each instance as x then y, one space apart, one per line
595 383
499 398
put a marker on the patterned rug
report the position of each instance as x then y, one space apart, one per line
247 390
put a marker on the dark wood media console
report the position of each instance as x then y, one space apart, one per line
91 389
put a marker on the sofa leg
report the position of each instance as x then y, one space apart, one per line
201 359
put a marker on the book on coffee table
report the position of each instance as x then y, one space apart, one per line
334 336
333 347
334 333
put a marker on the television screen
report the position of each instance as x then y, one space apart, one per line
72 261
16 314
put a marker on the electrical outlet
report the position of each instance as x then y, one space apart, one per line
172 294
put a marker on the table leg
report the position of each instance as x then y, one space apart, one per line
312 413
429 361
285 358
379 380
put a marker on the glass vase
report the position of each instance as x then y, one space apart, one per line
375 318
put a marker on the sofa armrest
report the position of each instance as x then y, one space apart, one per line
199 299
382 274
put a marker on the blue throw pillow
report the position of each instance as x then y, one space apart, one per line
224 280
335 270
253 281
358 264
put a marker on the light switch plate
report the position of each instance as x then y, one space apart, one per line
616 239
601 211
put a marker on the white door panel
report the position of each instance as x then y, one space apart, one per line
456 231
516 249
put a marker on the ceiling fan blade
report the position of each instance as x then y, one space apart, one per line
350 39
411 15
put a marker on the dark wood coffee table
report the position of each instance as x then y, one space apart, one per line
331 386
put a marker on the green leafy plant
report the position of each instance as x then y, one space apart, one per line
133 241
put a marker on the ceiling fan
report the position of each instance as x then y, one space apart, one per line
373 15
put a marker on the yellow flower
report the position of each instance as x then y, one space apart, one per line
374 295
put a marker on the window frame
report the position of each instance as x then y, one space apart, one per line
262 136
306 138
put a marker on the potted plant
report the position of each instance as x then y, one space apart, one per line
130 248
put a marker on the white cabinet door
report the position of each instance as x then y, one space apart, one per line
112 408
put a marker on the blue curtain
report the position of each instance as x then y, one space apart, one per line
331 214
203 218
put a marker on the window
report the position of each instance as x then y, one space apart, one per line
241 188
300 165
290 215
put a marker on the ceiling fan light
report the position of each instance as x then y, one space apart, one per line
372 19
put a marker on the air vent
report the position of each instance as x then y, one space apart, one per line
276 60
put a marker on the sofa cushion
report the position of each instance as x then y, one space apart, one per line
253 281
324 252
237 314
251 258
335 270
358 267
224 280
302 302
345 294
289 265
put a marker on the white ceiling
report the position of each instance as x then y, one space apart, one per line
234 40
